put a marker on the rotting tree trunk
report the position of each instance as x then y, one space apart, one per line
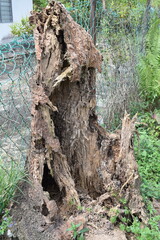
70 153
64 104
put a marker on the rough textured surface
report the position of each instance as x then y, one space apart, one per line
72 159
113 235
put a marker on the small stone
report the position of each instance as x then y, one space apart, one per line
9 233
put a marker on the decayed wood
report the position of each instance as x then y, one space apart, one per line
64 102
70 153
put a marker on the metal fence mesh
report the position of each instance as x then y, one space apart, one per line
17 61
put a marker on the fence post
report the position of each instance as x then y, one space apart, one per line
93 20
104 4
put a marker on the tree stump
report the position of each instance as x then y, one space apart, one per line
70 154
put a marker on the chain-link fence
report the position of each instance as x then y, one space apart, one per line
120 40
17 61
119 30
88 14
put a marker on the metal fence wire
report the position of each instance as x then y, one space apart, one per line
17 61
120 40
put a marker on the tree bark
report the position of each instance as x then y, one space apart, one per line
70 155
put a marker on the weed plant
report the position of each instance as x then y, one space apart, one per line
77 234
10 175
147 153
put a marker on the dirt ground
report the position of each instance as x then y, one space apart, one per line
92 216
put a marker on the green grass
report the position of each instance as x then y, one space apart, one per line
10 175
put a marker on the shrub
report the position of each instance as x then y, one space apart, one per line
150 232
38 5
147 153
149 66
22 28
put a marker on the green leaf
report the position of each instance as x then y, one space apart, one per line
84 230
